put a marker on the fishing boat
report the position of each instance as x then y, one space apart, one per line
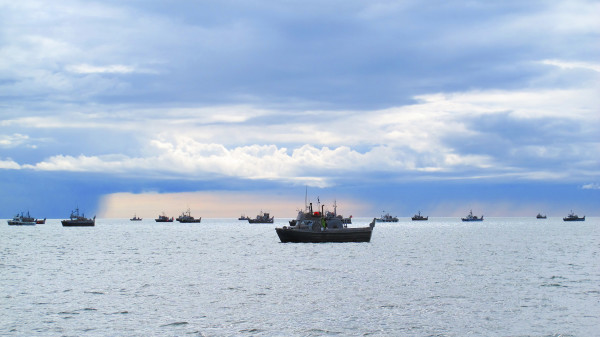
316 227
77 220
243 217
573 217
22 220
472 217
387 218
135 218
186 217
418 217
40 221
164 218
262 218
345 221
540 216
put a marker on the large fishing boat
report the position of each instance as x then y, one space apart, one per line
23 220
163 218
540 216
387 218
77 220
186 217
471 217
262 218
573 217
418 217
316 226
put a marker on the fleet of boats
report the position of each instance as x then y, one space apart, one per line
309 225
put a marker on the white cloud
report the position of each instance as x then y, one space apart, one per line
591 186
13 140
572 65
434 137
110 69
9 164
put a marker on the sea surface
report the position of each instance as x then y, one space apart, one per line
224 277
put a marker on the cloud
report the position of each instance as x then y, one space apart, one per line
9 164
15 140
520 134
111 69
572 65
591 186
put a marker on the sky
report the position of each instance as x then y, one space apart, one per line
231 107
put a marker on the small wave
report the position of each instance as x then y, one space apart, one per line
94 292
253 330
175 324
558 278
68 313
558 285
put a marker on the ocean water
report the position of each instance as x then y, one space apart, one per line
224 277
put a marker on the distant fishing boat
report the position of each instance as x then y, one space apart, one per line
540 216
23 220
419 217
186 217
387 218
40 221
345 221
243 217
163 218
472 217
76 220
135 218
262 218
573 217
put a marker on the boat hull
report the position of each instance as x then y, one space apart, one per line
469 220
574 219
259 221
69 223
420 219
330 235
20 223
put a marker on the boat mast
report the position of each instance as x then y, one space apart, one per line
334 207
306 199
